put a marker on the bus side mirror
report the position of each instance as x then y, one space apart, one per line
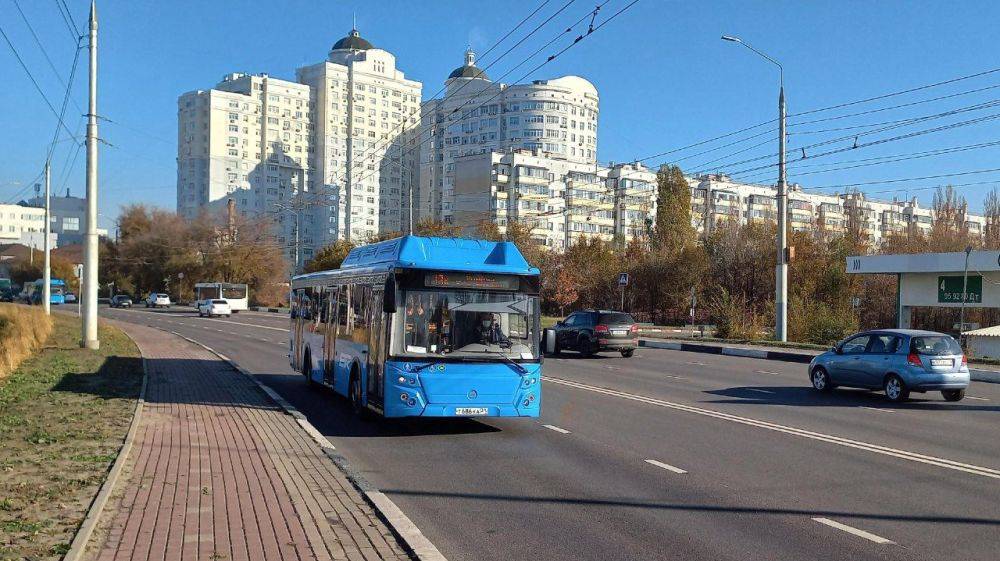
389 295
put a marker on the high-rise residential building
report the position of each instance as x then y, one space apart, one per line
833 212
364 152
247 140
560 200
556 118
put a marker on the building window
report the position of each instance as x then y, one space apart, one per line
71 224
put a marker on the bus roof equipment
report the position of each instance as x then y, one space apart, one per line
450 254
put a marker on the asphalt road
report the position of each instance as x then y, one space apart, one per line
667 455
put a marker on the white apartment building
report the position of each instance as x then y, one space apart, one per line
562 200
807 210
24 225
364 151
557 118
247 140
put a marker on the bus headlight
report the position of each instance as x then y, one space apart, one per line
528 381
402 380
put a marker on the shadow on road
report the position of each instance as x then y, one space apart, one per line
808 397
654 505
332 414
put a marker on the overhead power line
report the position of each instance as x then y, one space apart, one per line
867 162
901 180
847 104
552 57
33 81
379 145
915 120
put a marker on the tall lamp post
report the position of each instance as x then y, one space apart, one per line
781 269
965 295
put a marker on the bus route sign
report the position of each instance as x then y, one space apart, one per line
950 289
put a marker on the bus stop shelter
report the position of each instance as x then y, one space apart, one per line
936 279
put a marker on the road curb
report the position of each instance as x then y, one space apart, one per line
987 376
82 537
400 524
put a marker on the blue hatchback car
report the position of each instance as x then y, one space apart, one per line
898 361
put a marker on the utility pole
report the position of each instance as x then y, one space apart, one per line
89 279
781 268
47 267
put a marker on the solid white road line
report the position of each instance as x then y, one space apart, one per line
976 398
285 329
851 530
667 467
839 441
758 391
557 429
767 372
696 363
876 409
675 377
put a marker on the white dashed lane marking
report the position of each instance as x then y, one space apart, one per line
758 390
696 363
852 530
667 467
766 372
976 398
557 429
876 409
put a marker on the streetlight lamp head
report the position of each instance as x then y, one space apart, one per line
732 39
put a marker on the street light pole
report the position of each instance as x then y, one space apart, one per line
781 267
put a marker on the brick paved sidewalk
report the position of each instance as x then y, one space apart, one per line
219 472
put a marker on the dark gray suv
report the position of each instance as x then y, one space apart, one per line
592 331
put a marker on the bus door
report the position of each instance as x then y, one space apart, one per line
329 329
376 349
297 327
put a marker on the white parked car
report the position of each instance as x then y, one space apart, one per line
214 308
158 300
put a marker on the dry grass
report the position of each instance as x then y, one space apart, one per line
23 330
63 415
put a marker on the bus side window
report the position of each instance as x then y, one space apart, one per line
318 300
360 306
324 305
343 306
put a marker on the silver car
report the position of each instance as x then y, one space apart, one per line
898 361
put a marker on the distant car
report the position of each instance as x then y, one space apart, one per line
214 308
6 295
898 361
158 300
592 331
69 298
121 301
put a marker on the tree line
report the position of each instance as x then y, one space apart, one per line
727 275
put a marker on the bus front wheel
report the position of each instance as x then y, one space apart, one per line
356 398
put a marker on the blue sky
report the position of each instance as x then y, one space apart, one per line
666 79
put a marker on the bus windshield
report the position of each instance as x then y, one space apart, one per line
467 323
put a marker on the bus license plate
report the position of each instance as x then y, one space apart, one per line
471 411
941 362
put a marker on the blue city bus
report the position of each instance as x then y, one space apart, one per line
57 291
418 326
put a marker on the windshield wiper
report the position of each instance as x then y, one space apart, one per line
422 367
509 361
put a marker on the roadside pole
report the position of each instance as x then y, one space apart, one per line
622 283
47 267
89 279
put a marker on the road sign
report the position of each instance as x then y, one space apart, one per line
950 289
622 279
